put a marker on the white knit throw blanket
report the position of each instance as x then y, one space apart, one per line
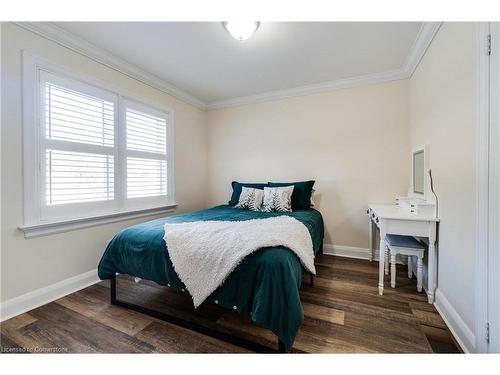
204 253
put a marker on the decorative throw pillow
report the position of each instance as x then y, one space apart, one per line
278 199
250 199
301 197
237 186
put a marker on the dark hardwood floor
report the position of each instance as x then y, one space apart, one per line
343 314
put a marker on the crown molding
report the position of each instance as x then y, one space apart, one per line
52 32
81 46
369 79
424 38
417 51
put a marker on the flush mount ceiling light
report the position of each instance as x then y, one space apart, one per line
241 30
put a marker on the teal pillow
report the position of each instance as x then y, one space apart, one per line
302 191
237 190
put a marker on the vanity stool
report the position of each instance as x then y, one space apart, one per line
405 245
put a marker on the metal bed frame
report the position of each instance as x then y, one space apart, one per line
184 323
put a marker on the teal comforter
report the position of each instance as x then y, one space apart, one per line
265 285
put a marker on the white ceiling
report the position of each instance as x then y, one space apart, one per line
203 60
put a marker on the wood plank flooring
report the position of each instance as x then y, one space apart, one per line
343 314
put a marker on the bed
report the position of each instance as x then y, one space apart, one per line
265 285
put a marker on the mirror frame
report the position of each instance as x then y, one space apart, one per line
411 191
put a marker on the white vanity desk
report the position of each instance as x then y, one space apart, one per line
393 219
415 215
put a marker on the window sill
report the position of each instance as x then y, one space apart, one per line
46 229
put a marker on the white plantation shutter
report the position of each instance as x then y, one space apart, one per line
74 177
74 116
78 143
146 132
146 153
146 177
90 152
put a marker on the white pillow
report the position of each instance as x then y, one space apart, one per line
278 199
250 199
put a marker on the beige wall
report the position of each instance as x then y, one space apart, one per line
27 265
353 142
443 105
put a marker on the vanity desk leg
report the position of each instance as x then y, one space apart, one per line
370 234
381 264
431 274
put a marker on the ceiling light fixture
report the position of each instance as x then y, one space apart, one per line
241 30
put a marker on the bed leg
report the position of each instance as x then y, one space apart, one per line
311 279
113 290
281 347
321 248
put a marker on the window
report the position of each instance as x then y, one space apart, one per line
146 151
91 151
77 143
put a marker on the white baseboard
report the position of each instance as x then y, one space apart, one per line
353 252
348 251
461 332
42 296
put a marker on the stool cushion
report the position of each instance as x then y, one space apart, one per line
403 241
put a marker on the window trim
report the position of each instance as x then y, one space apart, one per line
39 230
33 66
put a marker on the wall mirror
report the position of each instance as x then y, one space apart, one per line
419 172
